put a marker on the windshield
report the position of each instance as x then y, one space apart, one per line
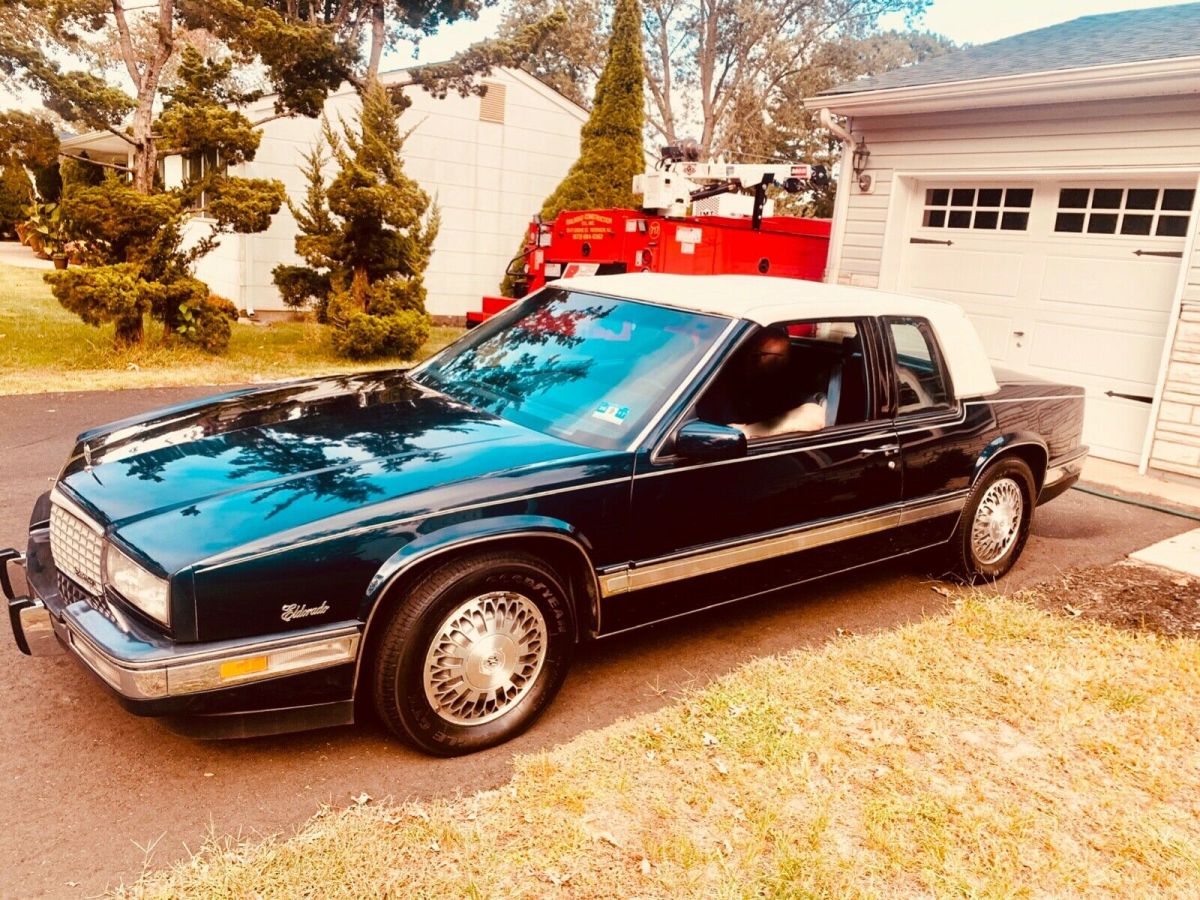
593 370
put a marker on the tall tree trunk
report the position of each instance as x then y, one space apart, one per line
145 154
129 332
378 38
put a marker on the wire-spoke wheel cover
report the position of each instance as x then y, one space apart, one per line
485 657
997 523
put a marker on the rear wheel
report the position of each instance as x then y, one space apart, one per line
474 654
995 523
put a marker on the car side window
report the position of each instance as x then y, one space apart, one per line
921 377
792 377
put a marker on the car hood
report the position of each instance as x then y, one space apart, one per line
185 483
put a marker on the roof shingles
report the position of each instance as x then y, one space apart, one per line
1165 32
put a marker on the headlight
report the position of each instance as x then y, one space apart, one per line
147 592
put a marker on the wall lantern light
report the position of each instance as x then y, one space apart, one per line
862 156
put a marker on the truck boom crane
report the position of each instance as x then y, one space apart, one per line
680 178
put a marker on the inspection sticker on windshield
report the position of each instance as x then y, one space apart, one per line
611 413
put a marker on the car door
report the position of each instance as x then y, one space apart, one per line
797 505
938 445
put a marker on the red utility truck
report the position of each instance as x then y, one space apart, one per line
666 236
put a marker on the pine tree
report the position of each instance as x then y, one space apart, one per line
611 149
366 235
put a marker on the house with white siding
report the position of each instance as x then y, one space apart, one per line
1048 182
489 162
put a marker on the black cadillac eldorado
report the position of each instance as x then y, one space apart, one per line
608 453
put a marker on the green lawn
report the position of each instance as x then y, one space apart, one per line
45 348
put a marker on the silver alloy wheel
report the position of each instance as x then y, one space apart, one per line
997 521
485 658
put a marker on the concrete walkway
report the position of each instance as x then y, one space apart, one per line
1124 479
13 253
1179 553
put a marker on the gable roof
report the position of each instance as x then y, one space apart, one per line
1142 35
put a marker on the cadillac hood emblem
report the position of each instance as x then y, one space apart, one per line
87 457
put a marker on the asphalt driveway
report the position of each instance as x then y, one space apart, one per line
88 790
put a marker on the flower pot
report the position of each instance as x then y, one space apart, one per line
22 229
60 262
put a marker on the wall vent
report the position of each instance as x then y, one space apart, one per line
491 104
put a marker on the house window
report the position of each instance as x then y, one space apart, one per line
980 208
491 104
197 166
1142 211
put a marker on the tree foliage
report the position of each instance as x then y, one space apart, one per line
792 132
135 70
27 140
734 73
15 195
366 236
514 49
570 59
707 57
28 158
126 233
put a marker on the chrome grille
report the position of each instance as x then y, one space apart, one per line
77 547
73 593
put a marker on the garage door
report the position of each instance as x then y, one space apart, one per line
1072 280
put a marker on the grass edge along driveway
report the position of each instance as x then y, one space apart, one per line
994 751
45 348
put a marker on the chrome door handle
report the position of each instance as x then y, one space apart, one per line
886 450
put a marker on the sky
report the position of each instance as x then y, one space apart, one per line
982 21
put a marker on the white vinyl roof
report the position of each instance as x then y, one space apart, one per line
768 301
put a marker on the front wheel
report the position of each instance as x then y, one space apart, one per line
474 654
995 522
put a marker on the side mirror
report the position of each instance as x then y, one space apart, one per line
708 441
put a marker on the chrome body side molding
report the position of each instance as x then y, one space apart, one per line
652 573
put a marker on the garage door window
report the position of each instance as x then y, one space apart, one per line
1162 212
978 208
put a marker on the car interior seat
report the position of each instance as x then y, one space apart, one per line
852 401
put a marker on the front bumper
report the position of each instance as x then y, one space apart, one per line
152 675
33 628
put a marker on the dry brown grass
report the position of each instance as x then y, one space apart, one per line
997 751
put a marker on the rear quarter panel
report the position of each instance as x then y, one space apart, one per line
1053 412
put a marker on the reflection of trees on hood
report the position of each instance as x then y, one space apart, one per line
315 437
329 475
501 373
